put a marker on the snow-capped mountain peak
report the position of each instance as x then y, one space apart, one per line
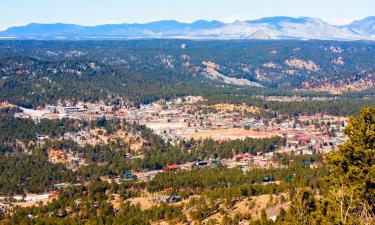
279 27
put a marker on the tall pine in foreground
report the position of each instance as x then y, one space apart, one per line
353 172
349 197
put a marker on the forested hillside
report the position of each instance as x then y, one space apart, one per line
35 73
283 64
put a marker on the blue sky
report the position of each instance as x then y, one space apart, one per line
92 12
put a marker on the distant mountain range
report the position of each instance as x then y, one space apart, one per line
301 28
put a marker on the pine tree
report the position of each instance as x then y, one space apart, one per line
352 175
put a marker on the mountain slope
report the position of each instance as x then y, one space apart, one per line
289 64
283 28
364 27
153 29
265 28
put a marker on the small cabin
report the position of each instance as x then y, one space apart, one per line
172 167
201 163
267 179
170 199
130 176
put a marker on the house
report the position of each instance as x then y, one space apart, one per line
170 199
201 163
70 109
74 109
215 162
130 176
60 185
306 163
175 198
41 137
304 139
249 125
172 167
267 179
243 156
53 193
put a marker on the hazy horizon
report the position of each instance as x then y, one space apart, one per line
91 13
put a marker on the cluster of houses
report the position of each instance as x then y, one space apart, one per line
179 119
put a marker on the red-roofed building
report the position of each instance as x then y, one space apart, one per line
304 139
243 156
172 167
